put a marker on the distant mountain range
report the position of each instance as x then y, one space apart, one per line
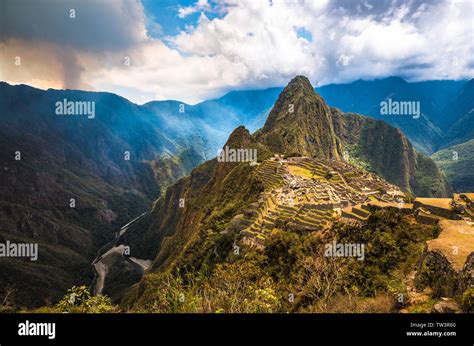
446 111
442 103
115 165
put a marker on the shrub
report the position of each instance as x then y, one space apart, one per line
239 287
467 300
79 300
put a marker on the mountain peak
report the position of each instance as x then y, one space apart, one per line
240 138
291 102
300 82
300 122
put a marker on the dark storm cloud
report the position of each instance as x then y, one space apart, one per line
53 37
97 26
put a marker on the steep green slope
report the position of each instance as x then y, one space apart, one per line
211 195
66 182
384 150
461 110
457 163
300 122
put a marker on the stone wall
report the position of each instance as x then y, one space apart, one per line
436 271
439 211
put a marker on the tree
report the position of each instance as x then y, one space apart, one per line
321 278
7 299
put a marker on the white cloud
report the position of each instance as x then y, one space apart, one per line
255 44
159 72
418 40
200 5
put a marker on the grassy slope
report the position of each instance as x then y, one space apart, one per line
459 173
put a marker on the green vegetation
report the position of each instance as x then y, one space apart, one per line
291 274
297 170
235 287
356 157
423 307
456 163
79 300
467 301
300 116
393 245
428 180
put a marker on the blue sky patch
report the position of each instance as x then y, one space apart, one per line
303 33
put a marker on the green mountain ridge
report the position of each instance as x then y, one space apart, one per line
456 162
384 150
216 194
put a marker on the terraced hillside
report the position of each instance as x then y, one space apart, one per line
303 194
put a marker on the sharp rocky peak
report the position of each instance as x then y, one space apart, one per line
300 121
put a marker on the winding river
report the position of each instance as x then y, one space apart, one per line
101 268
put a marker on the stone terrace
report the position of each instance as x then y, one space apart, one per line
305 195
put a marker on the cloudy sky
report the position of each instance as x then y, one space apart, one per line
192 50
